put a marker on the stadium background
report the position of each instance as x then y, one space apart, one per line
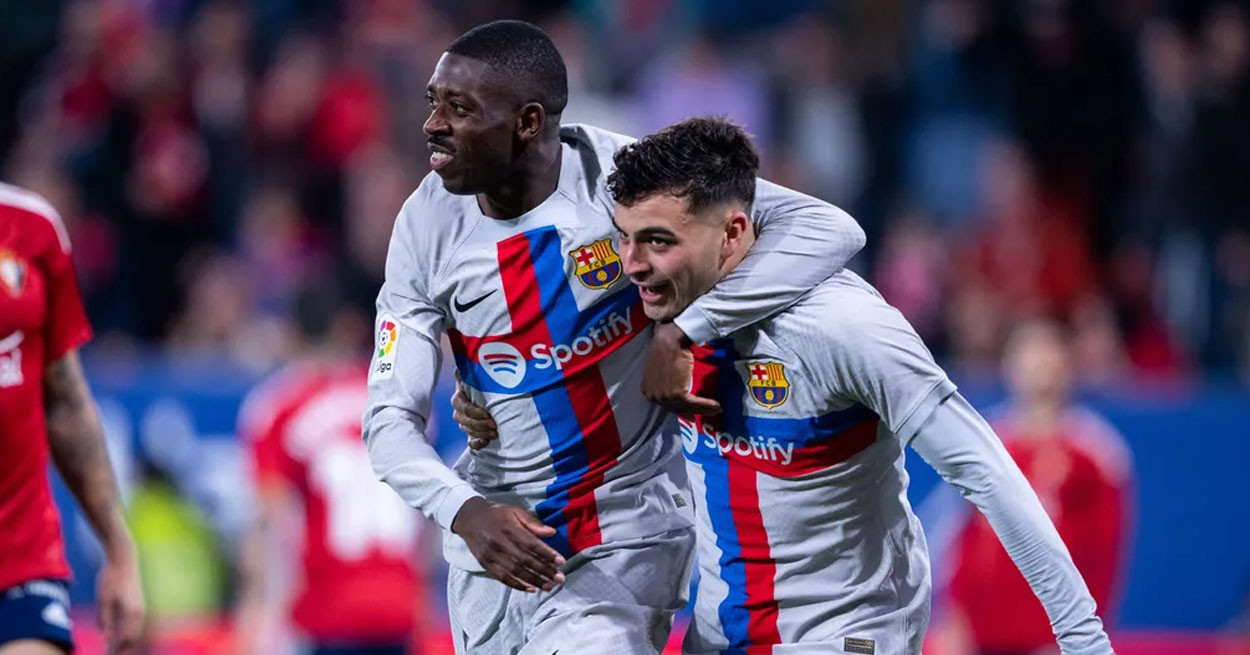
1008 158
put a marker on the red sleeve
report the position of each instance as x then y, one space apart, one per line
66 326
260 425
269 460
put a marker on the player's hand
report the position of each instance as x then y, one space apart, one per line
119 596
474 420
505 540
668 372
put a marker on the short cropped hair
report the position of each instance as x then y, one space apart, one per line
525 54
708 161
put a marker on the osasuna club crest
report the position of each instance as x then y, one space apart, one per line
12 273
768 384
598 265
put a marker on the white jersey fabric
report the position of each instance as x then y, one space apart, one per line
806 540
549 335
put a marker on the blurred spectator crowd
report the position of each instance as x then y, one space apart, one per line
1087 161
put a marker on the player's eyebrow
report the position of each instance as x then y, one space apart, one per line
449 92
655 232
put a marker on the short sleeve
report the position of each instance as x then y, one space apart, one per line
260 429
270 460
65 326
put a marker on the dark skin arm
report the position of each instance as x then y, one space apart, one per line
76 442
504 539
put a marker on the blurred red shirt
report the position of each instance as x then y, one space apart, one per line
358 577
1082 475
41 319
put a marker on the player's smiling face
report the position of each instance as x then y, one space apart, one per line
471 125
672 255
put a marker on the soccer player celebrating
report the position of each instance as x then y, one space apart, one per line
357 589
46 410
508 247
807 543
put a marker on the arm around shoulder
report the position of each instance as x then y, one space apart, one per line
800 242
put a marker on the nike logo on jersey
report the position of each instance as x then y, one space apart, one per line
464 307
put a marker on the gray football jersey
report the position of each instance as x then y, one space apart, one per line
806 537
549 336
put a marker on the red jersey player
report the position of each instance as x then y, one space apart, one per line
1081 470
357 587
46 411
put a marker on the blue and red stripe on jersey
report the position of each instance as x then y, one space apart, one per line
572 400
749 612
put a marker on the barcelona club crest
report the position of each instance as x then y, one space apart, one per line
768 384
598 266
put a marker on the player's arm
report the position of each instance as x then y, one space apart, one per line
800 242
402 376
889 369
264 569
964 450
76 442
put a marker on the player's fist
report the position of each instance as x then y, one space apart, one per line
506 541
668 371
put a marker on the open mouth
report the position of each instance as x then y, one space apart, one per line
652 293
440 157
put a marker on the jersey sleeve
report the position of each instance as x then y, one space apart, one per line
259 429
962 448
402 376
878 359
66 326
800 242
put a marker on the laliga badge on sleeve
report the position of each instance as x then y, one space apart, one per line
387 341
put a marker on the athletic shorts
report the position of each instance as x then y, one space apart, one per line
38 609
346 648
617 599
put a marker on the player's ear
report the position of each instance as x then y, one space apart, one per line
737 229
531 120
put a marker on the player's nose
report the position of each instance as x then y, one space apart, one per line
636 266
436 123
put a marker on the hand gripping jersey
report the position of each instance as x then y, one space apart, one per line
550 336
41 319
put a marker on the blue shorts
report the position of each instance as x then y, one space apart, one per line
38 609
359 649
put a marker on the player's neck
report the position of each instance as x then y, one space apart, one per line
1041 417
537 177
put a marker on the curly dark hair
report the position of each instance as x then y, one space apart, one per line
707 160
